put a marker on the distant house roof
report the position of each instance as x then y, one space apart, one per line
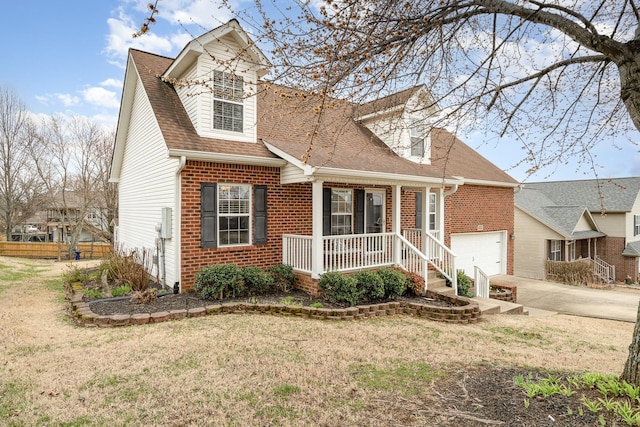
610 195
332 139
632 249
561 218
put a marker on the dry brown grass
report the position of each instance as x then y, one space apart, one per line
256 370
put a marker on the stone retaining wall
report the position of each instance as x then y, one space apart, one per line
464 311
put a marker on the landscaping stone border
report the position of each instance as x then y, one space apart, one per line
463 311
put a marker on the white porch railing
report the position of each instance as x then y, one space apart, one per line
414 235
481 282
297 251
606 272
356 251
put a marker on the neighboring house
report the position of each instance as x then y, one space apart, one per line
65 213
570 220
253 173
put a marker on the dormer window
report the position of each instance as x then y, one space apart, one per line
227 101
417 134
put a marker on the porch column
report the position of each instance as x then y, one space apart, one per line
440 213
396 225
316 230
424 226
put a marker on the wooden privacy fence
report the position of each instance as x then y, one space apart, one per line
54 250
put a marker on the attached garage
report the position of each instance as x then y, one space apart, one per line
487 250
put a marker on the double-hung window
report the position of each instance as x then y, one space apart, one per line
228 109
341 211
636 225
234 214
555 250
417 135
432 212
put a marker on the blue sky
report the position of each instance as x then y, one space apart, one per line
68 57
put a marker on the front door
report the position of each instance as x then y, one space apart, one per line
374 210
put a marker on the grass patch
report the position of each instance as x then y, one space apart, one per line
13 399
406 378
506 335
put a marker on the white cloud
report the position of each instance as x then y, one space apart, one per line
120 39
65 99
101 97
115 83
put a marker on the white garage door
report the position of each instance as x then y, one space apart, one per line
487 250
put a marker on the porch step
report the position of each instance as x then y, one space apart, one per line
438 284
494 306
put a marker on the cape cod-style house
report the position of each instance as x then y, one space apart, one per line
233 170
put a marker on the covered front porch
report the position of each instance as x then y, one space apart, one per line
356 230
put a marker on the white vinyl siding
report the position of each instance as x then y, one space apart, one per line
189 95
530 245
144 191
221 51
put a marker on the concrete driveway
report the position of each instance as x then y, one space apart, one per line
545 298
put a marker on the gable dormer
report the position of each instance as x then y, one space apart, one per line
216 78
403 122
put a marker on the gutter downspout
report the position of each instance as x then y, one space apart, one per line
453 189
178 227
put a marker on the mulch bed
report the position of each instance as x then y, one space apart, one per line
170 301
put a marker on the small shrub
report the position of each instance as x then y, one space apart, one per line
370 284
75 274
337 288
144 297
219 281
93 293
316 305
395 282
256 280
415 283
282 276
120 290
464 284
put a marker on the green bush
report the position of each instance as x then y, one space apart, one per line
256 280
415 283
337 288
219 281
121 290
464 284
395 282
370 284
282 276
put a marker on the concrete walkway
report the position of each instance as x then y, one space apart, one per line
541 298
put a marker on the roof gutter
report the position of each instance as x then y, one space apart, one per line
227 158
385 176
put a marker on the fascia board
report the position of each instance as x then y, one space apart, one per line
227 158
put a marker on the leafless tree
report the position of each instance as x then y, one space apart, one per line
19 190
67 156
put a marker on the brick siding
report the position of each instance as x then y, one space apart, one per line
290 212
610 250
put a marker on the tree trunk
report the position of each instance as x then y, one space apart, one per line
631 373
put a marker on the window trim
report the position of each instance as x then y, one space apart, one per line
636 225
417 133
248 214
553 250
342 214
218 96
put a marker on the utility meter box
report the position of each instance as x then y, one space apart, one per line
165 224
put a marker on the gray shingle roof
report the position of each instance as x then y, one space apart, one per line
632 249
611 195
561 218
